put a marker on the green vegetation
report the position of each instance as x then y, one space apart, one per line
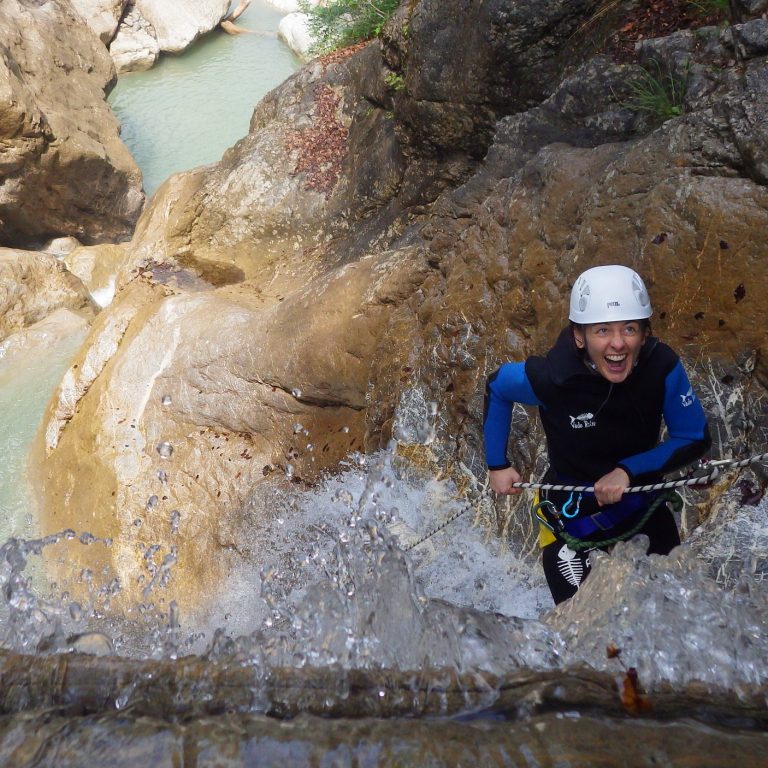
395 81
339 23
657 92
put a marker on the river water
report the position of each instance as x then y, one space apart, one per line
189 108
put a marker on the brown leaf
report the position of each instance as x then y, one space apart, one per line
612 651
633 702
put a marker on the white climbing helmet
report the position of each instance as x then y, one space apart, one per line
609 293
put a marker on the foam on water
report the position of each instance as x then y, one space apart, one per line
328 584
362 602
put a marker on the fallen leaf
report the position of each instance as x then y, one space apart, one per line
632 700
612 651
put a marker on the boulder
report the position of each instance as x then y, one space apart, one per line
64 170
33 286
177 23
134 47
102 16
150 400
293 29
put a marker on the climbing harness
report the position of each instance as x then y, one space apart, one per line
552 519
674 499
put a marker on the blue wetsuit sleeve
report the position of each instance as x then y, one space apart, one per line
505 387
687 431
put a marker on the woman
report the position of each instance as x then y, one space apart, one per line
602 392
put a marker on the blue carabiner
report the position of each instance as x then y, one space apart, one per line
564 511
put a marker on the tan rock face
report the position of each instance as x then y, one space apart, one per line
32 286
178 405
97 267
64 170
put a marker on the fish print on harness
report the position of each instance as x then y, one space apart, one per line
572 567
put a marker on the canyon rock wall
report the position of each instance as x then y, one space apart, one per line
400 219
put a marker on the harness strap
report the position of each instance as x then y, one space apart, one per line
548 514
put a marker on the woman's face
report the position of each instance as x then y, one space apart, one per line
613 348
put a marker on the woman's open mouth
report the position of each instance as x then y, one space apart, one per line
616 362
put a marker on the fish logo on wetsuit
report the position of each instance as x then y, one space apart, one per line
583 420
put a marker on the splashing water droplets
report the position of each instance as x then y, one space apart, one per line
165 449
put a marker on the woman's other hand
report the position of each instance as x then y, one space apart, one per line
501 480
610 488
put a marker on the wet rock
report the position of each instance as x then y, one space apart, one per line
23 346
97 266
200 348
374 246
166 709
231 742
91 643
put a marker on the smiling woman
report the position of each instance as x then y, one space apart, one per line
602 393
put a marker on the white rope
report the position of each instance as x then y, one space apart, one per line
703 480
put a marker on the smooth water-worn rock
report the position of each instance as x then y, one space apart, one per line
575 718
176 23
234 394
294 30
64 169
135 47
103 16
246 740
34 285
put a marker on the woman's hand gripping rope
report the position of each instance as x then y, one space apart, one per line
504 481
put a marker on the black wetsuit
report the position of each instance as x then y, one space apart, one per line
593 426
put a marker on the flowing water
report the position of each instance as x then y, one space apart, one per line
28 375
